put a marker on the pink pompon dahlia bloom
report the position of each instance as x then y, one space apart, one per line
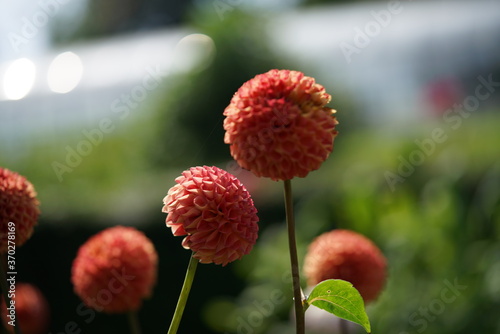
18 209
215 212
278 125
115 270
31 313
347 255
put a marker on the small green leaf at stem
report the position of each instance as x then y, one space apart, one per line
342 299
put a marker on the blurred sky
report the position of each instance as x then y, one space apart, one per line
25 25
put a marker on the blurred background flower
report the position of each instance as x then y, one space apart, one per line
32 313
100 100
347 255
115 270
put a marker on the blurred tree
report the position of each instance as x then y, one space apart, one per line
189 125
104 18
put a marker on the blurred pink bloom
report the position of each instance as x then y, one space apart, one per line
115 269
32 313
346 255
215 212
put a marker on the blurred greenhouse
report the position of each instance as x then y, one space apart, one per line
103 104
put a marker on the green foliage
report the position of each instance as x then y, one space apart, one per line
439 229
342 299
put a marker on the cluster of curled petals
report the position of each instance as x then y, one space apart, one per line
278 125
115 270
31 312
19 205
215 212
347 255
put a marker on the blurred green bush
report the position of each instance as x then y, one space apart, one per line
439 229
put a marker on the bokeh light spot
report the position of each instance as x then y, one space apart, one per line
194 52
65 72
19 79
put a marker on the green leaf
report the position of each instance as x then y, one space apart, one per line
342 299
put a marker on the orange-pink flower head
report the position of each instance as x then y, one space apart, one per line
278 125
115 270
18 209
31 311
346 255
215 212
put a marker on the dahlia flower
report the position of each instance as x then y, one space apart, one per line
278 126
346 255
18 206
215 212
115 269
31 313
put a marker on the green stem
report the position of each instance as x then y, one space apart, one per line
181 303
133 320
297 292
5 289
